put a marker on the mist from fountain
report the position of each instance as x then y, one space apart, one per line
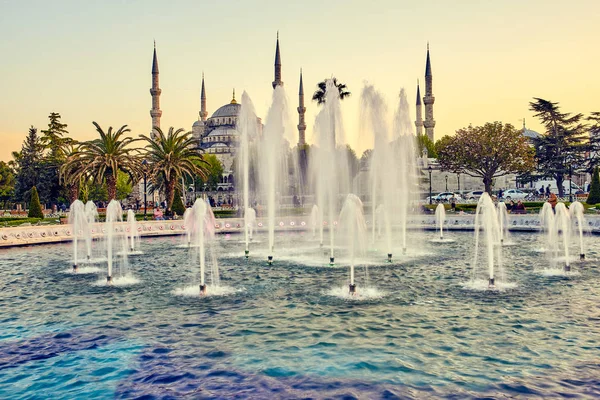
79 224
440 219
314 219
563 227
487 224
577 211
273 167
503 223
352 233
329 163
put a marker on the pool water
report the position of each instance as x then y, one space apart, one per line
288 331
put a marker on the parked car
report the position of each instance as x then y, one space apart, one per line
514 194
474 195
444 197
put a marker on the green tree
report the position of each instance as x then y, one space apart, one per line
7 183
57 144
102 159
561 150
214 170
35 208
487 152
424 144
320 94
594 196
171 157
178 206
28 165
124 185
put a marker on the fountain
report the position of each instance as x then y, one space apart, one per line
133 235
188 223
115 242
202 231
549 231
486 220
247 125
440 218
79 223
91 213
503 222
563 227
314 220
352 233
577 210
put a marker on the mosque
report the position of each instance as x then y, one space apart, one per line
217 134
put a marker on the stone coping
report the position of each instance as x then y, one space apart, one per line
31 235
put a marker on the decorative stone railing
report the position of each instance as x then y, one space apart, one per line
29 235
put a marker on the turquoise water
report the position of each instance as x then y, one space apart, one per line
285 332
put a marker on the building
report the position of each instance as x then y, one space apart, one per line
428 100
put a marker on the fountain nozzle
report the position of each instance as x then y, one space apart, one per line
492 283
331 260
404 250
88 257
270 260
246 253
389 257
109 280
74 267
352 289
202 289
567 268
582 256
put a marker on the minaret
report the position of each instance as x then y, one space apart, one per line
155 91
203 112
428 99
277 81
301 111
419 121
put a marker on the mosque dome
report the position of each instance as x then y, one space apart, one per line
228 110
529 134
198 123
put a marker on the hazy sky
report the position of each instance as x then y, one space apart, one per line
91 61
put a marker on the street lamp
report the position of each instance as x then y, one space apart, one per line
429 168
144 166
458 179
570 184
446 183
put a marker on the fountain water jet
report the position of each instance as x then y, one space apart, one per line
352 233
79 223
91 213
577 210
202 230
115 242
486 220
563 226
440 218
133 236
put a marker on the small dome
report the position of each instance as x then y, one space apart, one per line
528 133
228 110
198 123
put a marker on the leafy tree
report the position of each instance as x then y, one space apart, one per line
561 150
487 152
7 182
28 165
35 208
124 185
178 206
171 157
594 196
58 145
214 170
102 159
594 142
424 144
320 94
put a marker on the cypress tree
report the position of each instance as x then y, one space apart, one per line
35 208
594 196
178 206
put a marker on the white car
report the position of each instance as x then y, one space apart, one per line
444 197
474 195
514 194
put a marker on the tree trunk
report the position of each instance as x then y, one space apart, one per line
111 186
73 192
170 193
487 182
559 184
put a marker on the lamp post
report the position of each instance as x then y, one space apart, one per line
458 179
144 166
446 183
429 184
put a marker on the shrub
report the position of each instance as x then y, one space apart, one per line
594 196
178 206
35 208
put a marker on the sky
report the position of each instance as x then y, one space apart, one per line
91 61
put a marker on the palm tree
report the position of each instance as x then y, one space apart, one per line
171 157
319 95
101 159
68 172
